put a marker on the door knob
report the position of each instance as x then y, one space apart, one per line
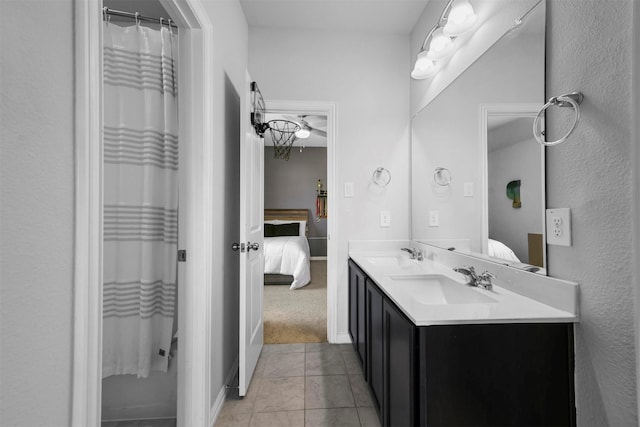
253 246
237 246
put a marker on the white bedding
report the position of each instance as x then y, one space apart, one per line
500 250
288 255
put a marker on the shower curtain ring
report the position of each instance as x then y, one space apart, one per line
137 20
161 22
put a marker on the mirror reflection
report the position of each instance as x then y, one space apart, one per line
479 131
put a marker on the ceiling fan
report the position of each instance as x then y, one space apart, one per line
309 124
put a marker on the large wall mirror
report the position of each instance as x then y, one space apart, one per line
477 172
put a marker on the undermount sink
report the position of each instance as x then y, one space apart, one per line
392 261
436 289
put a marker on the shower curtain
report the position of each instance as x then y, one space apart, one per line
140 199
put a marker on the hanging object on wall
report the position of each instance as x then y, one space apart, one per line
572 100
321 202
257 110
283 135
442 176
513 193
381 176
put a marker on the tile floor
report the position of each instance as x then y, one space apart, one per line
309 385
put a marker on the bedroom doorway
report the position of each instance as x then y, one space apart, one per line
298 293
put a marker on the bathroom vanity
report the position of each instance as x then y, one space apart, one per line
436 352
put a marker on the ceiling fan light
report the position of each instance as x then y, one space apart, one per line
441 45
302 133
460 19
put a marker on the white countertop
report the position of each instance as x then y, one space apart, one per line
501 306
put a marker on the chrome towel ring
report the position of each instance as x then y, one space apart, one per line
442 176
573 100
381 176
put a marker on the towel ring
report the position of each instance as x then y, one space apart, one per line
573 100
381 176
442 176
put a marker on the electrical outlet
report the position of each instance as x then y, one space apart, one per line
559 226
385 219
434 219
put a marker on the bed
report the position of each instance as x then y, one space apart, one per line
286 249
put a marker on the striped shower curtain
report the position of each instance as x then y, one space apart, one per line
140 199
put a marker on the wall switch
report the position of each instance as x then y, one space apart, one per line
559 226
348 189
385 219
468 189
434 218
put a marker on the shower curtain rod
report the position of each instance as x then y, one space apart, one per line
163 21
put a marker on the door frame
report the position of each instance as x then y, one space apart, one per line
330 110
196 65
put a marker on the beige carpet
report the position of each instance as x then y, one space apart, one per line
300 315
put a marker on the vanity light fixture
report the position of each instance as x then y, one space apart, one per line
461 18
457 18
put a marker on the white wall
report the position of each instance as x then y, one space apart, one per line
590 49
366 76
37 202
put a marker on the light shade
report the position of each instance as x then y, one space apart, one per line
441 45
424 67
460 19
302 133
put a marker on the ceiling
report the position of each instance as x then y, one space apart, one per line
371 16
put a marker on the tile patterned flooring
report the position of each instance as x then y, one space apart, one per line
308 385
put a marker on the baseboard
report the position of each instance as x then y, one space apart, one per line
222 394
343 338
318 258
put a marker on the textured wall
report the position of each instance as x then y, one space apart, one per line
36 230
589 49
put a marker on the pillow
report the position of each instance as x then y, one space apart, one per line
303 225
276 230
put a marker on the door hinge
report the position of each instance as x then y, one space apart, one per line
182 255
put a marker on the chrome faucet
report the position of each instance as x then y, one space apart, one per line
474 279
415 253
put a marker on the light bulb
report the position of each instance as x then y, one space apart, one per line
424 67
440 46
460 19
302 133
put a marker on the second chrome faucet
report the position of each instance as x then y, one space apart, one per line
474 279
415 253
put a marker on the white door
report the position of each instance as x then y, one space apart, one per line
251 247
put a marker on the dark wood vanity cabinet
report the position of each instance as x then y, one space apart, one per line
461 375
357 329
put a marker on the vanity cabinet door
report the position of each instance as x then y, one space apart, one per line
357 328
499 374
400 376
375 344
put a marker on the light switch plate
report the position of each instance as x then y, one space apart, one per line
348 189
434 218
468 189
385 219
559 226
